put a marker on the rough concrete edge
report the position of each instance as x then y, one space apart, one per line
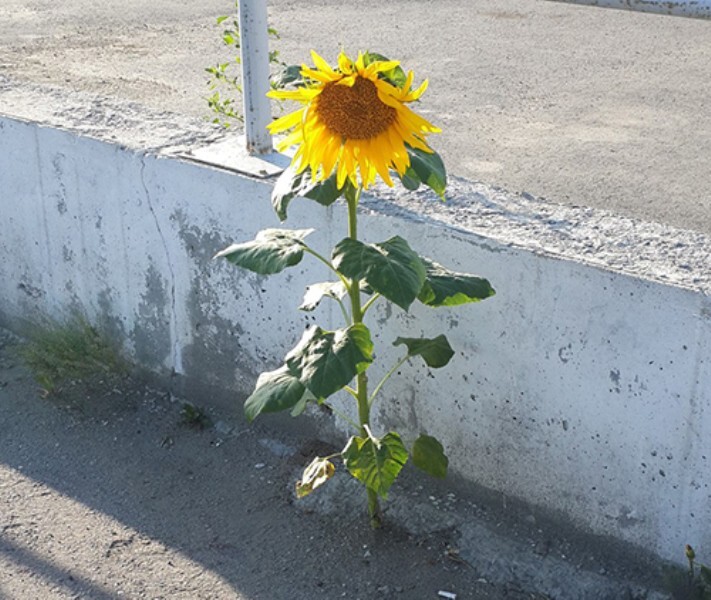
112 120
594 237
652 251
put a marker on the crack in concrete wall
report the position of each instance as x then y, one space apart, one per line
177 356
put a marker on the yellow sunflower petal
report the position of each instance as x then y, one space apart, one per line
408 82
418 92
348 81
287 121
380 66
302 94
360 62
294 138
321 64
345 64
316 75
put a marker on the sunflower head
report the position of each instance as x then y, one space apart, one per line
354 121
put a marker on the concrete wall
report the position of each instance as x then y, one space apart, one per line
577 388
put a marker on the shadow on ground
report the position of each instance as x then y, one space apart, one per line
105 494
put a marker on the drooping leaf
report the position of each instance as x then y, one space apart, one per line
391 268
427 168
301 405
395 76
272 251
316 292
436 352
291 184
275 391
299 408
443 287
410 179
430 169
325 361
319 471
428 455
375 462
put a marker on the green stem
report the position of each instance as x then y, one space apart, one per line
387 376
343 416
346 316
345 281
326 262
370 302
352 197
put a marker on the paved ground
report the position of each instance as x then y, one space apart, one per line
104 495
580 105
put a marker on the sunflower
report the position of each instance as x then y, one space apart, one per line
354 120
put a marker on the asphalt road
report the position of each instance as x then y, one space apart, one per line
580 105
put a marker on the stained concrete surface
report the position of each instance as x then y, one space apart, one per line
580 105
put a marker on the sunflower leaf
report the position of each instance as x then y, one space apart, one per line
436 352
272 251
428 455
319 471
291 184
289 75
375 462
410 179
443 287
317 291
428 168
275 391
391 268
325 361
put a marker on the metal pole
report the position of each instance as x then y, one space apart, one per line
254 50
700 9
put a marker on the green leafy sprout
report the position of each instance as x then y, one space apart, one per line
225 78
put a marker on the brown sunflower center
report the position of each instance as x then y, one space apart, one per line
355 112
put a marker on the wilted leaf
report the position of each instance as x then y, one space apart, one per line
319 471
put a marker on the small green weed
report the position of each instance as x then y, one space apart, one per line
194 416
58 353
225 81
691 584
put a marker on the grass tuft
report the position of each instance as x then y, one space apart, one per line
58 353
194 416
